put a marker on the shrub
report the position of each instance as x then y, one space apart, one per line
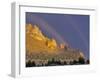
29 64
87 62
81 60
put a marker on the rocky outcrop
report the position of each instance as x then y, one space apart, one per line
41 49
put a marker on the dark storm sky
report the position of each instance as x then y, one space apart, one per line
73 29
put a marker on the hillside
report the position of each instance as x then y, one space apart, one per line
41 49
36 41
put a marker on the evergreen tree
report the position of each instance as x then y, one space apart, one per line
81 60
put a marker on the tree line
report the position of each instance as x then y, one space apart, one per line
54 62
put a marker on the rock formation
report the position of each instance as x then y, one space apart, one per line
40 49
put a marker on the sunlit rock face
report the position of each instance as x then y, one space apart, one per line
34 32
51 44
62 46
41 49
35 40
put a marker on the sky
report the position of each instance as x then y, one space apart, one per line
70 29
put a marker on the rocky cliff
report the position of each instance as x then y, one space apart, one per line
41 49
